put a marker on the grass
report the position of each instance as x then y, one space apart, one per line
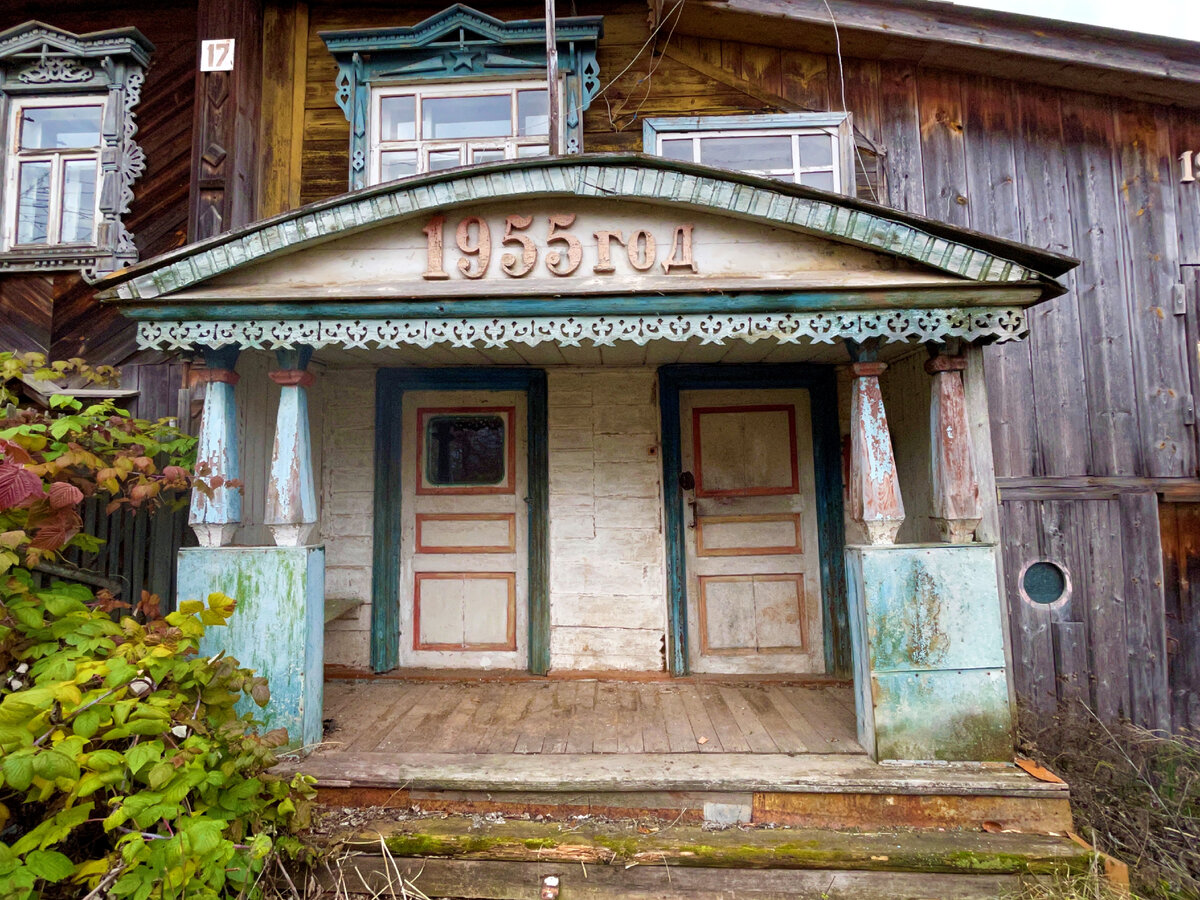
1135 794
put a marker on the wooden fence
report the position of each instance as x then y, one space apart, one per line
138 551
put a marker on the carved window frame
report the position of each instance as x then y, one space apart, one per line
45 66
456 46
837 126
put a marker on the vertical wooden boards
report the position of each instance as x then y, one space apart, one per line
861 80
285 34
226 123
1060 405
810 81
901 137
1181 568
943 152
1145 616
992 193
1105 644
1161 369
1100 285
1185 135
1032 647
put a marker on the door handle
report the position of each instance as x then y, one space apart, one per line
687 484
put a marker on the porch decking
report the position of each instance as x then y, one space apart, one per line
568 717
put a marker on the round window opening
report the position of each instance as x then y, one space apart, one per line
1045 582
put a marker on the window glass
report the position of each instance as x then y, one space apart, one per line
487 155
536 150
78 201
449 118
398 117
820 180
33 206
680 149
60 127
533 112
397 164
464 450
444 159
749 154
815 150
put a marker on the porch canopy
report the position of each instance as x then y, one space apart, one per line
591 251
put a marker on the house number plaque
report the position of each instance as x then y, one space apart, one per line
523 239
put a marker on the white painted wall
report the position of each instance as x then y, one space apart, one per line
607 565
347 441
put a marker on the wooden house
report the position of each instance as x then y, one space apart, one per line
827 387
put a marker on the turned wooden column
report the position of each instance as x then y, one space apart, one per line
291 511
875 500
215 519
955 486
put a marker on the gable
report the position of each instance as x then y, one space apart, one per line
737 216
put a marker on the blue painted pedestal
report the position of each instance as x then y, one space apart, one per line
277 628
928 645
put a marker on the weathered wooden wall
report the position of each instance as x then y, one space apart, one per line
1104 386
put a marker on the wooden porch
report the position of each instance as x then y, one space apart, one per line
588 716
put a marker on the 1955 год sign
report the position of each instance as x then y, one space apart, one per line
561 251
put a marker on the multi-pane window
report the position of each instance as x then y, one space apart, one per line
425 129
810 149
53 171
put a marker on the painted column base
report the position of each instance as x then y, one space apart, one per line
278 628
928 645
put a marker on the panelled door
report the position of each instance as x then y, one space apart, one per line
754 585
464 571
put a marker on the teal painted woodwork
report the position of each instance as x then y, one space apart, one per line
390 385
277 629
217 446
929 668
456 44
644 179
908 298
819 382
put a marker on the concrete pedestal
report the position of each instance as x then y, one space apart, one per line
928 645
277 628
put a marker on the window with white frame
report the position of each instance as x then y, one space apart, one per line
425 129
813 149
68 158
53 168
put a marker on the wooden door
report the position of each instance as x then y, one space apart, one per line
754 584
464 567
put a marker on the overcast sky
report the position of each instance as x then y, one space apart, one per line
1174 18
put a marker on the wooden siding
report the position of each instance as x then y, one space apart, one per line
1181 564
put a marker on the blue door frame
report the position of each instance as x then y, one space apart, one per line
390 386
821 385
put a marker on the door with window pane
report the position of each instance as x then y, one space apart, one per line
463 540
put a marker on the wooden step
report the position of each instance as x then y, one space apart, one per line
465 857
808 790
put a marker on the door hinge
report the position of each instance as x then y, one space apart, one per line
1189 410
1179 299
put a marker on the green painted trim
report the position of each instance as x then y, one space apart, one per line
899 297
821 385
637 178
390 386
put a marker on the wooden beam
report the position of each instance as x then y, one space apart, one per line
1155 69
1095 487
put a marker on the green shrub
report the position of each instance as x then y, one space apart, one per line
123 758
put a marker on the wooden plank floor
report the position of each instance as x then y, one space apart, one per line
560 717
